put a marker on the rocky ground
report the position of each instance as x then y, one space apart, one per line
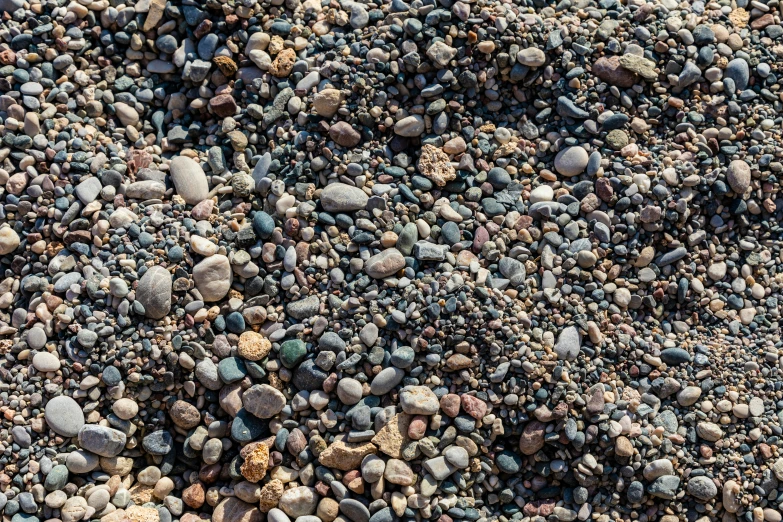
358 261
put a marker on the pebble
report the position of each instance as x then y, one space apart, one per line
372 262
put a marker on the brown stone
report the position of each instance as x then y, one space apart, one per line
393 437
436 165
343 134
283 64
609 70
270 495
154 15
254 467
474 406
623 447
603 188
8 57
253 346
185 415
327 102
346 456
418 427
353 481
450 404
223 105
194 495
226 65
458 362
532 438
762 21
589 203
234 510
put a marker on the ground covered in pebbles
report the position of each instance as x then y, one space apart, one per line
396 260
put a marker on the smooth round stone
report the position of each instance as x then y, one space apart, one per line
64 416
571 161
57 478
189 180
231 369
339 197
738 176
385 264
703 488
349 391
213 277
9 240
263 224
675 356
46 362
36 338
308 376
263 401
386 380
542 193
125 408
31 89
111 376
81 461
87 338
299 501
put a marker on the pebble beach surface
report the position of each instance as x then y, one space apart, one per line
391 261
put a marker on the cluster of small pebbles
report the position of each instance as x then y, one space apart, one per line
391 261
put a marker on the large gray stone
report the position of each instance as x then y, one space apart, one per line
568 344
154 292
64 416
339 197
103 441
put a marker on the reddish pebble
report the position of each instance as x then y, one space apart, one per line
322 488
417 427
194 495
202 210
449 403
474 406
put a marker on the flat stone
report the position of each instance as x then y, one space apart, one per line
213 277
189 180
339 197
418 400
103 441
263 401
154 292
64 416
385 264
